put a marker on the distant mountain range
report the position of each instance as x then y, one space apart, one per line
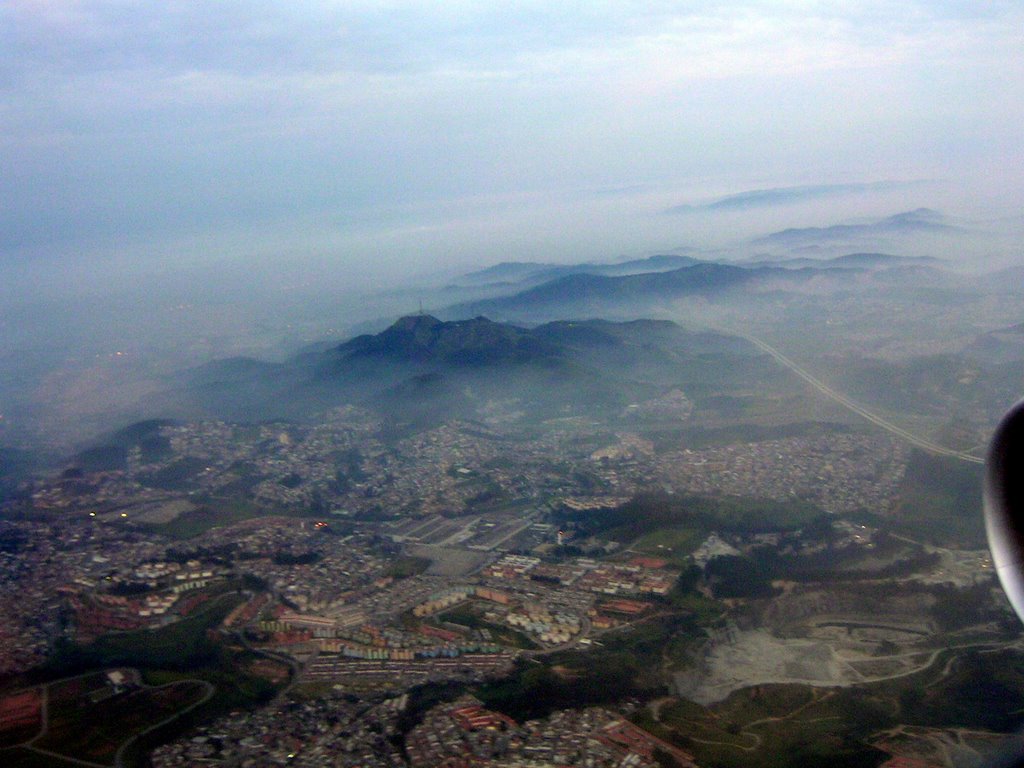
851 261
424 364
776 196
532 273
583 288
919 221
535 291
422 369
1005 345
425 339
589 295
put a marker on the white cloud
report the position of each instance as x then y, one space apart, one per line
157 118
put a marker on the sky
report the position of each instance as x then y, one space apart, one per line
365 142
181 181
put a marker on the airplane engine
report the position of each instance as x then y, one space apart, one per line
1003 494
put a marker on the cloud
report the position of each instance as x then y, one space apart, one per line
762 198
123 121
916 222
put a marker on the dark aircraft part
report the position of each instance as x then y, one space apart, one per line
1004 504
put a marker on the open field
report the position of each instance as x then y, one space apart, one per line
94 731
22 757
217 512
956 704
180 645
449 561
674 544
468 615
89 719
21 716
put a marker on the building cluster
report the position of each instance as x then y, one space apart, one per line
333 602
463 734
674 405
343 730
550 628
335 730
627 579
398 674
342 466
635 577
841 473
452 596
40 562
279 464
170 591
353 636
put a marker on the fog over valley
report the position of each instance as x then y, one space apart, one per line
183 184
420 385
84 355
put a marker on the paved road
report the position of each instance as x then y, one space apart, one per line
30 744
935 655
284 658
839 397
209 691
66 758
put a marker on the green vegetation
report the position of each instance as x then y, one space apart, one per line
683 722
957 608
155 448
660 641
737 576
707 437
940 500
985 690
16 466
780 726
423 698
648 514
218 512
112 453
176 476
89 719
630 664
890 558
104 458
792 725
287 558
950 384
406 566
235 689
185 651
467 616
89 729
182 645
25 758
674 544
536 689
138 432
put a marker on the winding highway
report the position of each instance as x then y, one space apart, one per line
119 757
839 397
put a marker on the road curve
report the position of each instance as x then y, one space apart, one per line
839 397
208 691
